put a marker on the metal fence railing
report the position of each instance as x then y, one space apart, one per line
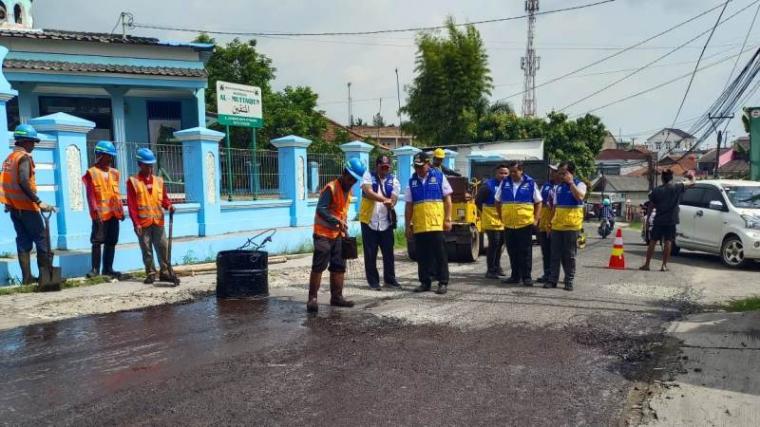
249 178
168 165
330 166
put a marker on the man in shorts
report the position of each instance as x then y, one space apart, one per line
665 200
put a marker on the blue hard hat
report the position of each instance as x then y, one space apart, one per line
105 147
145 156
356 168
25 133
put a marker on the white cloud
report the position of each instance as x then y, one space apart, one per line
564 41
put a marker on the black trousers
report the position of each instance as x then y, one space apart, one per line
494 251
432 258
544 239
30 232
374 240
520 250
564 249
106 232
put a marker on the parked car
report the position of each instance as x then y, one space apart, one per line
721 217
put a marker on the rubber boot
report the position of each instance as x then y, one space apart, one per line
108 255
25 261
95 262
336 291
314 283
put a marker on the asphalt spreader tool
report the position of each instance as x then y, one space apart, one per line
172 275
50 277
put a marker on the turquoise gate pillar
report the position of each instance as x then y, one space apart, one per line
69 163
451 159
6 94
357 150
404 157
291 157
200 162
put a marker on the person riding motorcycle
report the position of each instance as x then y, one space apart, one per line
607 214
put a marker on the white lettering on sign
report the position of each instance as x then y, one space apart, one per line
239 105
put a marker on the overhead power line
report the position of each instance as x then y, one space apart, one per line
622 51
355 33
711 31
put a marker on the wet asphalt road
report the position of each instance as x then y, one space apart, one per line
268 363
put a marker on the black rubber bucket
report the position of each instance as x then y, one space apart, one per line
242 273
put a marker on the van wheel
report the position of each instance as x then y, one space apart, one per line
732 252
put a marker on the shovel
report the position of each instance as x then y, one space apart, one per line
50 277
172 274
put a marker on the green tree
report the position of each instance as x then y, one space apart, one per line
290 111
453 78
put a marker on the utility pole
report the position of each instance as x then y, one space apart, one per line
350 112
716 173
530 62
398 94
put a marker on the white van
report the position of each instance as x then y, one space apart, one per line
721 217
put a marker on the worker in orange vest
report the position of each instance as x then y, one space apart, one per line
330 224
106 210
147 200
18 192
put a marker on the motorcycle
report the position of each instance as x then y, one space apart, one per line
605 229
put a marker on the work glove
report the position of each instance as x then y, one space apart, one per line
44 207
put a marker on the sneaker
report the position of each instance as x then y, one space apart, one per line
502 273
442 289
394 284
375 287
491 275
510 281
150 280
549 285
528 282
422 288
92 274
569 286
541 279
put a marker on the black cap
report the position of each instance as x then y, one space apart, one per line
421 158
383 160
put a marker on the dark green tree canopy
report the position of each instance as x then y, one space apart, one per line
452 80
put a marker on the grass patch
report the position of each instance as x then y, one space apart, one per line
635 225
67 284
745 304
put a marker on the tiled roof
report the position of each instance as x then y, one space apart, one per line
679 132
71 67
79 36
628 183
735 166
613 154
709 157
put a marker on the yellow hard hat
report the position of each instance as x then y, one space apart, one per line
439 153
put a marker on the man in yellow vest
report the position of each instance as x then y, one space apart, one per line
147 200
428 215
485 200
18 192
544 226
518 202
567 222
106 210
330 225
379 196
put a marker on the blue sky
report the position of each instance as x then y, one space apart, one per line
564 42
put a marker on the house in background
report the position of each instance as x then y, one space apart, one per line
133 88
388 136
706 163
620 162
670 140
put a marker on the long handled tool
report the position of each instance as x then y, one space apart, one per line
173 275
50 277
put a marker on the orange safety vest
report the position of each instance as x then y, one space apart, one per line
106 189
149 209
338 208
10 191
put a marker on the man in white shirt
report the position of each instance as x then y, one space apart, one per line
380 192
518 203
428 216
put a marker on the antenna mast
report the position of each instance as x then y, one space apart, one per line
530 62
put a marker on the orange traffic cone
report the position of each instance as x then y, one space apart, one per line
617 258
